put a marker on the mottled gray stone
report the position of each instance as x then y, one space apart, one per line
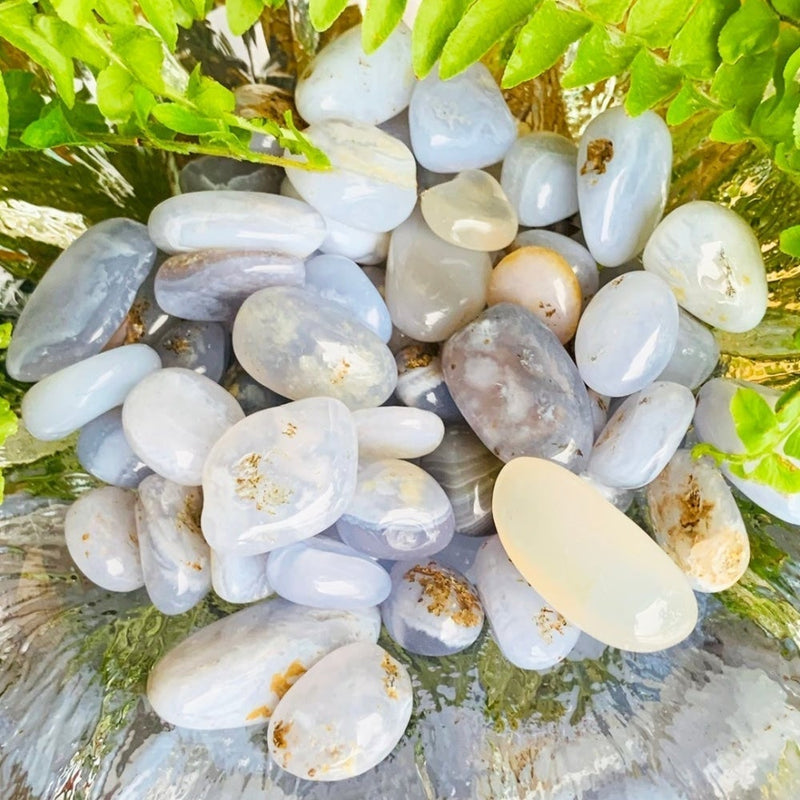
420 382
203 347
209 173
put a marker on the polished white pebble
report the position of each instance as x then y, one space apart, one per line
397 432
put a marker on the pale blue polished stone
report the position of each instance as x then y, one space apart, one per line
203 347
81 300
695 356
341 280
240 579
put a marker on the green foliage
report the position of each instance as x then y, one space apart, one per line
380 19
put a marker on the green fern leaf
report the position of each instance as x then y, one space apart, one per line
324 13
380 19
694 49
651 82
601 54
752 29
657 21
432 27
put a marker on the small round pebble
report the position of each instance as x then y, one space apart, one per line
397 432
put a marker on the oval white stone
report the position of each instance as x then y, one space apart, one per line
397 432
240 579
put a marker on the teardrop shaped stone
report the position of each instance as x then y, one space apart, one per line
712 261
278 476
433 288
372 179
518 388
470 211
301 345
695 356
212 173
420 382
596 567
202 347
539 178
81 300
342 82
396 432
236 221
624 170
240 579
461 123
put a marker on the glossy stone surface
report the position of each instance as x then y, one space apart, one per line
627 334
624 170
544 283
397 432
240 579
530 633
324 573
249 393
461 123
398 511
68 399
234 671
203 347
695 356
518 389
145 319
210 285
210 173
712 261
466 471
539 178
344 716
696 520
372 179
433 288
621 499
81 300
301 345
175 557
596 567
100 531
342 82
172 419
104 452
642 435
600 406
278 476
342 281
420 382
236 221
470 211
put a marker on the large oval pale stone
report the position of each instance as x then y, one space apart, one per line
518 388
172 419
68 399
695 356
712 261
236 221
344 716
372 180
397 432
597 567
240 579
433 288
234 671
342 82
278 476
81 300
624 167
301 345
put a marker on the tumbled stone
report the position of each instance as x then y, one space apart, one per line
203 347
145 320
210 173
420 382
240 579
695 356
301 345
621 499
600 406
249 393
397 432
81 300
518 389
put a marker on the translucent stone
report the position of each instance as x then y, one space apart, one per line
624 170
249 393
461 123
621 499
68 399
372 178
100 531
470 211
278 476
240 579
433 288
324 573
209 173
600 406
172 419
642 435
175 558
397 432
539 178
342 82
530 633
593 564
696 520
398 511
627 334
146 319
234 671
81 300
342 281
301 345
432 610
543 282
420 382
104 452
466 471
712 261
695 356
236 221
203 347
344 716
518 388
210 285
